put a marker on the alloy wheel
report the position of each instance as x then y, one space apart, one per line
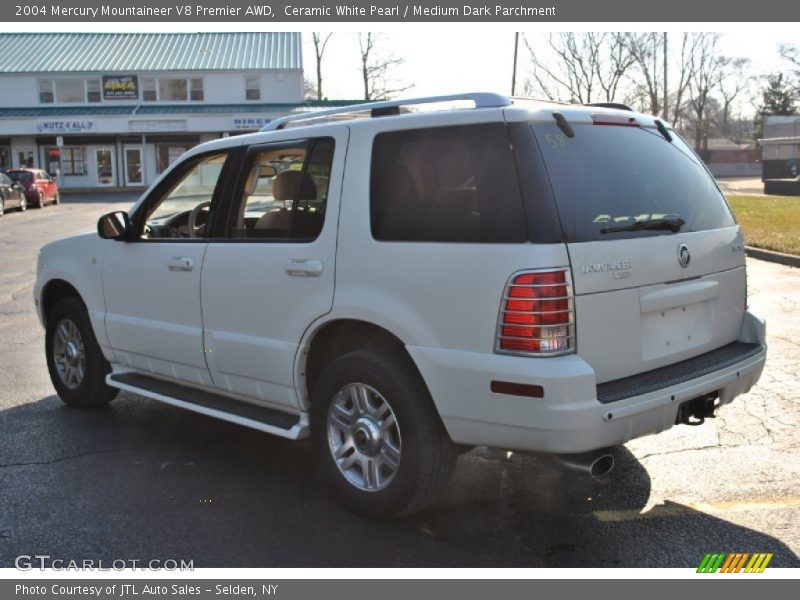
69 354
364 437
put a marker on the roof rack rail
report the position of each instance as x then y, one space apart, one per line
391 107
539 100
617 105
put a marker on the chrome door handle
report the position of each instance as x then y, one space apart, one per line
302 267
180 263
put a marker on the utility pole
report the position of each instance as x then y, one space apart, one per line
514 74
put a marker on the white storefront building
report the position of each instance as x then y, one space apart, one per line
114 110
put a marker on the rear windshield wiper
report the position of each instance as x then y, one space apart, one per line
673 225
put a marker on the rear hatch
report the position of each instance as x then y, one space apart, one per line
657 258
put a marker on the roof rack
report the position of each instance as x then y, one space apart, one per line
391 107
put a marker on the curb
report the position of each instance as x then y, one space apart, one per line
790 260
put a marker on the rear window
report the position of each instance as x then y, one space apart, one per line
609 178
446 184
20 175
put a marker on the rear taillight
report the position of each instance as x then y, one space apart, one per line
537 315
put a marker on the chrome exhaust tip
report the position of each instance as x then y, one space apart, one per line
594 464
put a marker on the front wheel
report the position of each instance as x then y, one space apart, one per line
40 201
379 442
23 205
76 364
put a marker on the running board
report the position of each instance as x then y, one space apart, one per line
214 405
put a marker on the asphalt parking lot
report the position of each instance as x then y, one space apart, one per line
141 480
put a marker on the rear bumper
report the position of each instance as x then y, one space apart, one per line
569 418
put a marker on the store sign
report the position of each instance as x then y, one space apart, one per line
250 122
120 87
71 126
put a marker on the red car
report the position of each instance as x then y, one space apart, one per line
39 187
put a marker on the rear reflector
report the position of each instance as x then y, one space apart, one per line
537 315
517 389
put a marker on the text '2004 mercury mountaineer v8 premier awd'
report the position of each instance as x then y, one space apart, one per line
398 284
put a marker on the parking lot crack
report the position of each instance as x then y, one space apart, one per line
61 459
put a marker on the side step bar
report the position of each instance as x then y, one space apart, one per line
265 419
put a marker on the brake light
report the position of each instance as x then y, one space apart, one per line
614 119
537 315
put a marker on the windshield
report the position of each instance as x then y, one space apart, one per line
20 175
613 182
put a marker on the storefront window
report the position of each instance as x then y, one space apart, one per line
5 158
93 90
166 154
73 160
69 90
46 91
168 89
252 88
196 89
25 159
172 90
149 90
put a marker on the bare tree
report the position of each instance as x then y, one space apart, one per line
309 92
684 77
645 49
715 81
320 43
736 81
588 67
791 53
376 68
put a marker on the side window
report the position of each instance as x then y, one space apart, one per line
446 184
183 209
285 192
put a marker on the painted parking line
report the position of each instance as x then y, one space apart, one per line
679 510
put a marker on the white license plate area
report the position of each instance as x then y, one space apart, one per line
675 330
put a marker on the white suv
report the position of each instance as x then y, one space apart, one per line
401 284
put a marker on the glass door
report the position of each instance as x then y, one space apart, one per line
133 166
105 166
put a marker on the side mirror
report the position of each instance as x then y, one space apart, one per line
114 226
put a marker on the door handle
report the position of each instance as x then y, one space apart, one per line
301 267
180 263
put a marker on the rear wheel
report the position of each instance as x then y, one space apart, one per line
57 198
74 359
2 206
379 442
40 201
23 206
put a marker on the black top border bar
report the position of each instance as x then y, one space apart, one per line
377 11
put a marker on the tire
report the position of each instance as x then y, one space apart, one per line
424 456
57 198
89 389
2 206
40 201
23 205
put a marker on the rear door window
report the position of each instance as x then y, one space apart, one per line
446 184
608 180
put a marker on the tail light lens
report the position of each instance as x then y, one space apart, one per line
537 315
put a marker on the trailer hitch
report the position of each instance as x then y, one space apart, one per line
696 411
